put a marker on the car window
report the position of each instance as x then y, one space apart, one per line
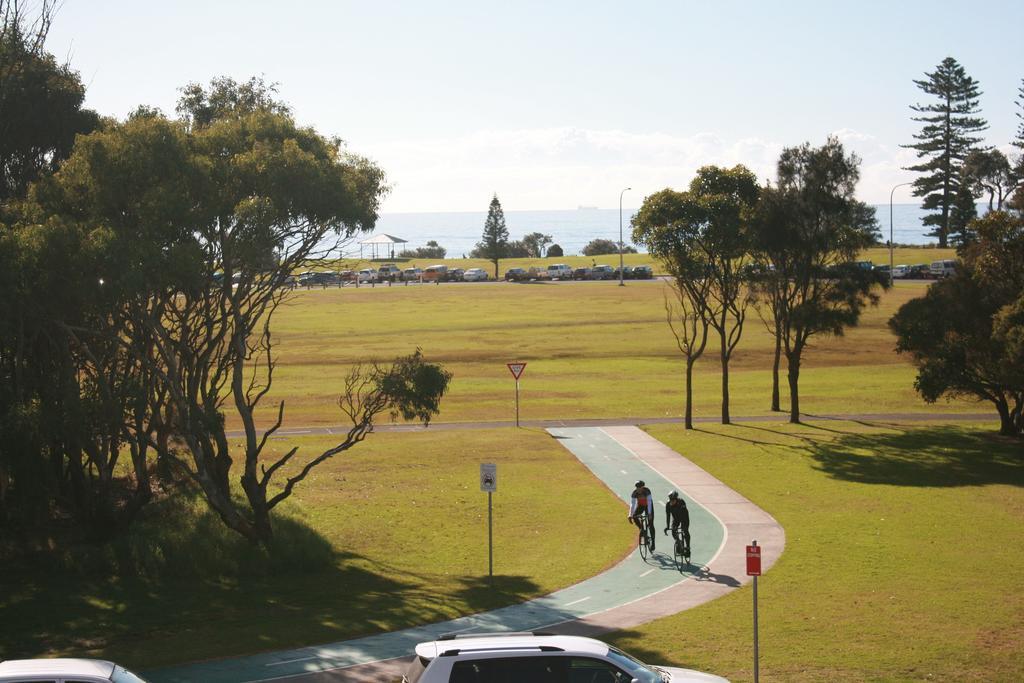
545 669
586 670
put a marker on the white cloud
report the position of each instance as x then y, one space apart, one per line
560 168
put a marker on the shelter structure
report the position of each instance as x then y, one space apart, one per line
382 242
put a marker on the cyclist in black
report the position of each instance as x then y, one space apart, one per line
679 516
642 499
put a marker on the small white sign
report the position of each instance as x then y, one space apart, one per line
488 477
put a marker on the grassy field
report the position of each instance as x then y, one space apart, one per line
593 349
902 559
392 535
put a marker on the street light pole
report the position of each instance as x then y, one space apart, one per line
622 270
890 228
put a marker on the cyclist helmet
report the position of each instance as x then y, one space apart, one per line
639 483
673 495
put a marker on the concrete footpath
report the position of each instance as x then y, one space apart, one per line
631 593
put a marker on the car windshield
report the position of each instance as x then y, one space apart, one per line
634 667
124 676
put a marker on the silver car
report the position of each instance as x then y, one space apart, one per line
65 671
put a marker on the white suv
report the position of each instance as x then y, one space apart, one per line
537 658
64 671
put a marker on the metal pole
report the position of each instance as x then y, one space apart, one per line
755 628
517 403
622 271
490 540
890 229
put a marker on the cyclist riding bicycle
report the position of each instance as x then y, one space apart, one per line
677 513
640 500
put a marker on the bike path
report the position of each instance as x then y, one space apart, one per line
629 593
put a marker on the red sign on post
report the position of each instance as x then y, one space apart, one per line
516 369
753 560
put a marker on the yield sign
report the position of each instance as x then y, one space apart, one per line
516 369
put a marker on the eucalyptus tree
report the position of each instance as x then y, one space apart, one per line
702 234
204 220
949 134
40 100
806 235
966 333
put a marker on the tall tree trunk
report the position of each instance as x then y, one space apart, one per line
1006 421
794 388
689 392
775 368
725 379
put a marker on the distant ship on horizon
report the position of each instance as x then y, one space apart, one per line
581 207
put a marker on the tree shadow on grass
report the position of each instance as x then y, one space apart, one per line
935 456
182 588
485 592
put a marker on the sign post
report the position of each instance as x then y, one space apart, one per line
489 483
517 370
754 569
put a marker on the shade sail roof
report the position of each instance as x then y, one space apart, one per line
384 238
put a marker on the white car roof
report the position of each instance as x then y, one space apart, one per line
520 641
57 667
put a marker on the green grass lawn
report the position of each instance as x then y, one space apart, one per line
593 349
394 534
902 559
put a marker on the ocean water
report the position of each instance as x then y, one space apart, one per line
458 232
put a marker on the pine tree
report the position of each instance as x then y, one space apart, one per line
945 140
494 242
1017 200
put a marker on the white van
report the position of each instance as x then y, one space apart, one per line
560 271
943 268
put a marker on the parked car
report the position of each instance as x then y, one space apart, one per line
943 268
882 272
455 274
581 274
348 276
627 273
367 275
516 275
436 273
389 272
65 670
536 657
642 272
560 271
602 272
918 271
538 273
412 274
900 272
475 275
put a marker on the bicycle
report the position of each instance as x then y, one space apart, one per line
680 549
644 540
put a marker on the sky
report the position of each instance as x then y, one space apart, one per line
555 105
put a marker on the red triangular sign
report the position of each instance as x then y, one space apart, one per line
516 369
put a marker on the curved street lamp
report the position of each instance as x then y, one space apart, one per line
622 271
890 228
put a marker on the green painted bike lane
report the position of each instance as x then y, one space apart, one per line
627 582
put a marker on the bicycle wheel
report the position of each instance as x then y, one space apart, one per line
642 542
677 553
